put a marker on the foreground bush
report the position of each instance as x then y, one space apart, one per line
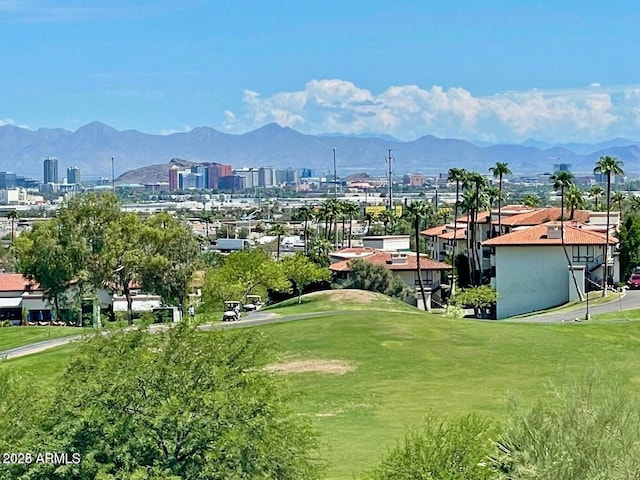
456 450
180 404
591 431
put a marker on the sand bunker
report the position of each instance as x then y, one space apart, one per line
335 367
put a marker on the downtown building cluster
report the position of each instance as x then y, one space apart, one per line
216 176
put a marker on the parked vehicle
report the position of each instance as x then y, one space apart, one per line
254 303
233 244
634 281
231 311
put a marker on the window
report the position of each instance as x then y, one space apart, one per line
582 253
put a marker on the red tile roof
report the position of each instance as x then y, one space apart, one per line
16 282
460 235
537 235
384 258
434 231
539 216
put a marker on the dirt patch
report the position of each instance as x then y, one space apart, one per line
335 367
349 294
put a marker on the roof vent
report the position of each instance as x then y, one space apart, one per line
554 232
398 259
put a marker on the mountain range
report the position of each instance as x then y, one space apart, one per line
91 147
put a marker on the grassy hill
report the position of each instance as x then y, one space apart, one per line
367 373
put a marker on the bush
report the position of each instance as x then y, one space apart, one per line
457 450
590 431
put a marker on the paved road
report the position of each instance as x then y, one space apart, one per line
627 301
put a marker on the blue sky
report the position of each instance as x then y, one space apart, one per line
497 71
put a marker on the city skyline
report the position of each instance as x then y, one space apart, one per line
493 72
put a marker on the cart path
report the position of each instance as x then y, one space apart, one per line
629 300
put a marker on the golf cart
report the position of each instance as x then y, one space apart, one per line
231 311
254 303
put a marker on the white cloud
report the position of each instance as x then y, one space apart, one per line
170 131
408 112
8 121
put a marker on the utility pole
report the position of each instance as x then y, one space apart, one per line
113 177
335 176
390 180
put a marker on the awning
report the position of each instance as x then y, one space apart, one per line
12 302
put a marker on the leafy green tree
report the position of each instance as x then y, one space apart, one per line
320 250
173 405
607 166
306 211
375 278
241 274
619 198
629 236
171 255
454 450
480 298
351 210
499 171
44 256
388 219
301 272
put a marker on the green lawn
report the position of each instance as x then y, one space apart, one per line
406 365
12 337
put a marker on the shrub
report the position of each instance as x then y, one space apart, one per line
456 450
590 431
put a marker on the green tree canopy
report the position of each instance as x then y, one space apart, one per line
375 278
301 272
241 274
173 405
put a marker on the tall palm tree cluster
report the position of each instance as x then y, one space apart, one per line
475 195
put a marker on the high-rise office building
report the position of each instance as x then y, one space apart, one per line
174 181
50 170
8 180
73 176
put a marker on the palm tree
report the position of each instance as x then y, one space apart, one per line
563 180
351 210
607 166
575 199
417 211
279 230
306 211
13 216
369 217
595 193
455 175
387 217
619 198
476 184
499 170
531 200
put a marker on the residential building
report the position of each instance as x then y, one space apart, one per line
532 271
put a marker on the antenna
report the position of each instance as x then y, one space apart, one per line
390 160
